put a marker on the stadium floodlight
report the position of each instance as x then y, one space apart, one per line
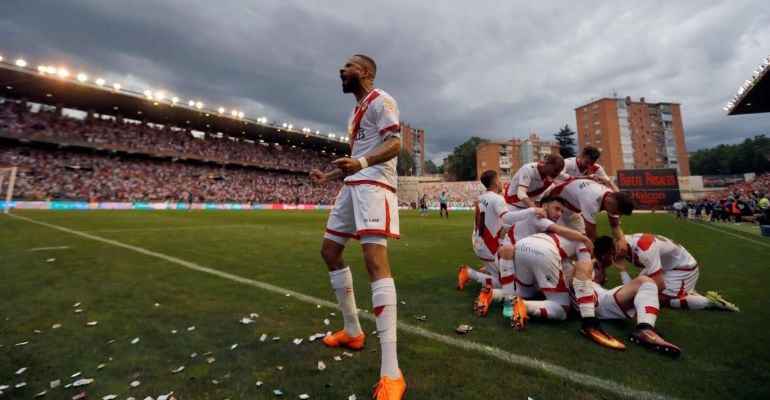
198 105
317 132
63 72
51 69
82 77
21 63
148 94
175 99
285 125
221 110
42 69
240 114
191 103
116 86
99 81
234 113
1 58
290 127
160 95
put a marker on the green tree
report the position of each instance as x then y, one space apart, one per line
405 164
752 155
463 159
566 141
430 167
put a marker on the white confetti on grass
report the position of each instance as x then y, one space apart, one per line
135 340
21 370
83 382
135 384
304 396
55 384
92 323
178 370
110 397
21 344
321 366
76 374
297 341
234 346
263 337
50 260
190 329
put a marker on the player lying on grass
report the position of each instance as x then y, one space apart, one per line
503 288
491 214
670 265
637 299
538 263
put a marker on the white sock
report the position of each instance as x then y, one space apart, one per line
691 301
384 302
546 309
507 277
480 277
584 293
342 283
647 304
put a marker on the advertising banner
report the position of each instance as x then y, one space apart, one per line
652 189
722 181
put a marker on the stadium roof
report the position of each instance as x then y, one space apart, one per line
51 88
754 95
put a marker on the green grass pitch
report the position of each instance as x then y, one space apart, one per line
726 355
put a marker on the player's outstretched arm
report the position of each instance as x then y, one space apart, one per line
318 178
384 152
617 231
571 234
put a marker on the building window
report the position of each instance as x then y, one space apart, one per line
598 132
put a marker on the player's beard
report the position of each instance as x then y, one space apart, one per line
350 84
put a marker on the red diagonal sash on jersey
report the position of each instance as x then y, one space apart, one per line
360 111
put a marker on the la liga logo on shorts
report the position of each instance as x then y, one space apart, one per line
373 220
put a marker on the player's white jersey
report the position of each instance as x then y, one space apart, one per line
583 196
486 231
529 227
571 169
529 178
553 243
656 254
372 121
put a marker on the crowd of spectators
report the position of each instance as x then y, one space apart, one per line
17 120
741 202
460 194
46 174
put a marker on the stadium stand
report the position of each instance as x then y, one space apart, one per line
64 158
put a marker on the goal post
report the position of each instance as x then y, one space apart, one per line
7 182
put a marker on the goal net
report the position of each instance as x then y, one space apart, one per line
7 182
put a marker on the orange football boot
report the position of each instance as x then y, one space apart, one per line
481 305
340 338
390 389
462 277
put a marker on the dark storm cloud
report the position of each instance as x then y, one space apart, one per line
492 69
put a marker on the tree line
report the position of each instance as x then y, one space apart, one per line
753 155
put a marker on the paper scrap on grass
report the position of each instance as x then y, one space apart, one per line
81 395
420 317
193 355
100 366
304 396
75 375
280 367
21 370
135 340
50 260
20 385
190 329
135 384
55 326
234 346
321 366
41 394
326 321
211 360
22 343
278 392
55 384
83 382
110 397
92 323
462 329
337 358
178 370
263 337
78 310
297 341
352 397
76 305
246 321
259 383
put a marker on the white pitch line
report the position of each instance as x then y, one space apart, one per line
172 228
493 352
49 248
705 225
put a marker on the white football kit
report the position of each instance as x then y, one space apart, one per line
571 169
538 265
529 179
584 198
657 254
366 207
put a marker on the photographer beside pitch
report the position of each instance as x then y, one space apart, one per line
366 208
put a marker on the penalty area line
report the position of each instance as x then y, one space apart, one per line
493 352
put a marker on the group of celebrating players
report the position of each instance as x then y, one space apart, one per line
542 257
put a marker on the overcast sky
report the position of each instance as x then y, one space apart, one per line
495 69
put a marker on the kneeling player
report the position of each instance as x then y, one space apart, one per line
670 265
491 214
538 262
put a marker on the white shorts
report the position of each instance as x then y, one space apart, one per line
537 267
680 281
608 307
367 212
